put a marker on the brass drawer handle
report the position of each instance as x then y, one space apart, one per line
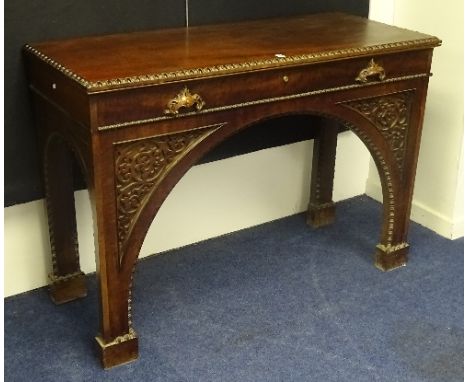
184 99
372 70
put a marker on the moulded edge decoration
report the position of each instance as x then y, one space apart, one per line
155 78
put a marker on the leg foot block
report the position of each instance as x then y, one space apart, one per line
390 257
320 215
67 288
121 350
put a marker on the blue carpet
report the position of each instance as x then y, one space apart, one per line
277 302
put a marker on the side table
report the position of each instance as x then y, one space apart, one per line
138 110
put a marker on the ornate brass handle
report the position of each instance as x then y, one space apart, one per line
184 99
372 70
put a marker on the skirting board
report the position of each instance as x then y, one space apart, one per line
212 199
424 215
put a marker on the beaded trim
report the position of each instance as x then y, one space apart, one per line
216 70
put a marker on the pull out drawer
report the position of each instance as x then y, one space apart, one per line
159 102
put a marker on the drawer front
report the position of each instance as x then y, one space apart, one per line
150 104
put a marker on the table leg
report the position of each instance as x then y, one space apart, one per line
124 209
393 139
392 250
67 280
117 341
321 209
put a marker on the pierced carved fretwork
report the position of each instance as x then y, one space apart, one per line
391 115
141 165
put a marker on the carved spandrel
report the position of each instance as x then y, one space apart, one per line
390 114
141 165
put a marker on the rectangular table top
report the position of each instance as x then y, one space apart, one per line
152 57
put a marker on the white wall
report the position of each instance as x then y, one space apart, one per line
382 10
211 199
438 195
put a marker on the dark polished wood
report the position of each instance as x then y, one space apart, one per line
321 210
139 109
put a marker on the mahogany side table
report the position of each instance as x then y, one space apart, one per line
137 110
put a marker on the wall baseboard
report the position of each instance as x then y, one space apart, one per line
424 215
212 199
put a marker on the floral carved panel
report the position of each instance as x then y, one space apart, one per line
390 114
141 165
